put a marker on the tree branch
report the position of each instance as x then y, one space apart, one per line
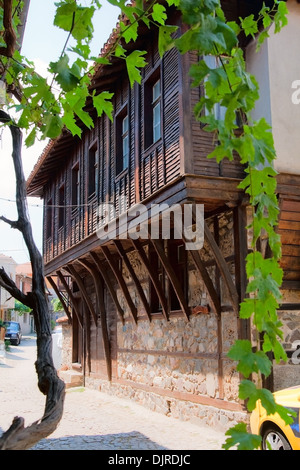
8 284
12 223
9 35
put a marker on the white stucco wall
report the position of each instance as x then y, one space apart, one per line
8 263
276 66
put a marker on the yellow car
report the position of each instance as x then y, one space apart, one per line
275 434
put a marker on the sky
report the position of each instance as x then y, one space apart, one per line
42 43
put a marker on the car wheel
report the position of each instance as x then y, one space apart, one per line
273 439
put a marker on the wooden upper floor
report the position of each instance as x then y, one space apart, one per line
153 150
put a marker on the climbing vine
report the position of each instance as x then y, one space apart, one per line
42 109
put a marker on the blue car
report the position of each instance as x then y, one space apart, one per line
13 332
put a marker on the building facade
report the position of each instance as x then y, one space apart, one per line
152 316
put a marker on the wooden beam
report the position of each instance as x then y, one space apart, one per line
71 297
214 298
103 320
241 252
155 281
218 255
108 283
172 276
56 290
83 291
121 282
134 277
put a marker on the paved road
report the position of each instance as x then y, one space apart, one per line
93 420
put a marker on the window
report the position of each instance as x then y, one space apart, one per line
61 208
153 109
75 186
125 142
92 170
122 141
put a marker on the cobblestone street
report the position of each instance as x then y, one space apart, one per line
93 420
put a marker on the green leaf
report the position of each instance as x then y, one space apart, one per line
159 13
30 139
75 19
241 439
64 76
53 126
133 62
249 361
165 39
103 104
249 25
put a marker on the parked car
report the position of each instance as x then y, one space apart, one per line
13 332
275 434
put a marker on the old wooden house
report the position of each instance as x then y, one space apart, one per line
153 319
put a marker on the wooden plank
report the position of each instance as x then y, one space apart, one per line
289 225
290 205
108 283
121 282
289 237
291 250
134 277
154 278
293 216
172 276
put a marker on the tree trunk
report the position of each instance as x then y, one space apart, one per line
18 437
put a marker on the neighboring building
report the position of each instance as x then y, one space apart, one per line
24 283
7 302
153 319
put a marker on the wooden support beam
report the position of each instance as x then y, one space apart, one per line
121 282
83 291
58 293
155 281
71 297
214 298
103 320
134 277
172 276
108 283
218 255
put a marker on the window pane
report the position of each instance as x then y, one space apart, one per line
125 125
156 122
125 151
156 90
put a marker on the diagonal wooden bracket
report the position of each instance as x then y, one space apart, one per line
108 284
62 300
134 277
214 298
221 263
120 279
153 276
71 297
83 290
171 275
